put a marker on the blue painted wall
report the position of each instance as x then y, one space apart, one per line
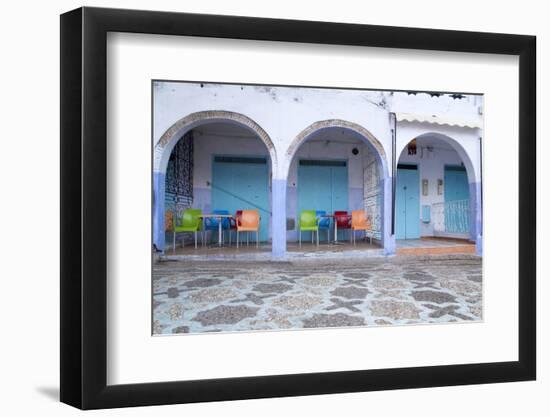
158 209
242 186
322 187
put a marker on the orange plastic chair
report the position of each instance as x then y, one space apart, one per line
249 221
169 221
360 221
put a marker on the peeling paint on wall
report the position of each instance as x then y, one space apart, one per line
179 177
372 192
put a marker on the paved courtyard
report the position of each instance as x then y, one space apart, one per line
222 296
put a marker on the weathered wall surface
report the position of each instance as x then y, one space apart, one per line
282 112
373 191
179 177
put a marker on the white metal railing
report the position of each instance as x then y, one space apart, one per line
451 216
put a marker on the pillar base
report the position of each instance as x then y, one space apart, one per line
278 219
389 246
479 245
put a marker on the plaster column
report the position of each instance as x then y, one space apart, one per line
278 218
476 221
158 210
388 239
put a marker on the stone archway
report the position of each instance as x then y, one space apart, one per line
164 146
167 141
474 182
466 159
386 208
337 123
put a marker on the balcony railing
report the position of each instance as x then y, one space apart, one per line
451 216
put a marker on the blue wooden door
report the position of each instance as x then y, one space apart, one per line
457 200
407 203
322 185
242 184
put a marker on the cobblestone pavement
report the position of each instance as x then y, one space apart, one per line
193 297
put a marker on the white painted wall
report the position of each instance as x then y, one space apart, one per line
283 112
464 140
470 107
339 147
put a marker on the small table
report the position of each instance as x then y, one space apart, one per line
219 217
335 226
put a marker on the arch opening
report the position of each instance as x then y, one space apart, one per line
336 165
437 189
211 161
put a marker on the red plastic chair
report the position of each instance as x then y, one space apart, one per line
342 219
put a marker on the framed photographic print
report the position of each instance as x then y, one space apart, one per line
257 207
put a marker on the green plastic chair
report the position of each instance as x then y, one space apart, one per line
308 223
190 223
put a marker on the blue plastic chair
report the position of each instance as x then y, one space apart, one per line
212 223
323 222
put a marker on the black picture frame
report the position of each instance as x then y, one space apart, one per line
84 207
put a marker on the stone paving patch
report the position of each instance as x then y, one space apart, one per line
203 282
180 329
176 311
333 320
295 302
350 292
440 312
475 278
158 327
462 287
475 311
225 315
360 275
350 305
396 310
268 288
389 283
209 295
356 282
418 276
322 281
433 297
256 299
172 292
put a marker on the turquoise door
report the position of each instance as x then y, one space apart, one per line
407 202
242 184
322 185
457 200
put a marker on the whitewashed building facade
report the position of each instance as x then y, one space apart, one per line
412 160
